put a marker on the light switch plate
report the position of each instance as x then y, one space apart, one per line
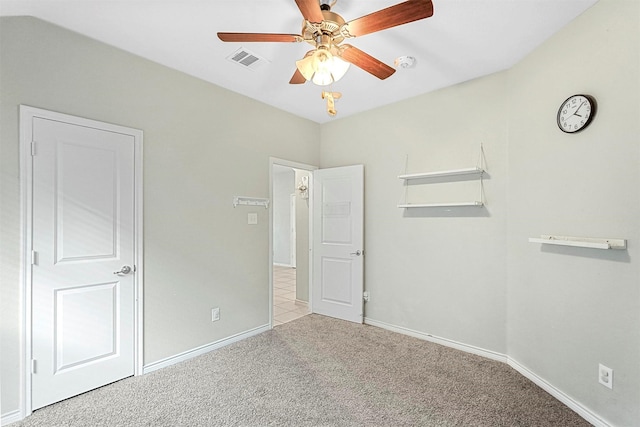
252 218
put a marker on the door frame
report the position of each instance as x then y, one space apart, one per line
293 232
27 114
295 165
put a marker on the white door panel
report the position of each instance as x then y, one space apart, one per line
338 242
83 231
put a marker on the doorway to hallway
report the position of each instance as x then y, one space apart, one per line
285 306
290 240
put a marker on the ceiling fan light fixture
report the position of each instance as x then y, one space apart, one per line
305 66
322 67
339 68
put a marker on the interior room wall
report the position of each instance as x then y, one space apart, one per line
439 271
302 240
571 308
283 181
202 146
470 275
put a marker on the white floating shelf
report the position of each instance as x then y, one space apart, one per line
440 205
582 242
250 201
453 172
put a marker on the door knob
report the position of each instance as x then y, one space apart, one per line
357 253
125 270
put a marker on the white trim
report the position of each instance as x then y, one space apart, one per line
279 264
25 138
10 417
558 394
27 114
198 351
489 354
293 243
553 391
139 253
294 165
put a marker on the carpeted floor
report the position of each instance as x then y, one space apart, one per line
319 371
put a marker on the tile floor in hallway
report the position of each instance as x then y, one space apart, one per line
285 306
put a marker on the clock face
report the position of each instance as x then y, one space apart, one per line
576 113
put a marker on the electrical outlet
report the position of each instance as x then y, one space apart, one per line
605 376
252 218
215 314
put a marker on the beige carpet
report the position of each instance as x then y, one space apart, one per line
318 371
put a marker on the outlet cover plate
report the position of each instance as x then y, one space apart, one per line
605 376
215 314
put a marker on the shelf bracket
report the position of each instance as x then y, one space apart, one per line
250 201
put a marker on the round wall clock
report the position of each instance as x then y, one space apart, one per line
576 113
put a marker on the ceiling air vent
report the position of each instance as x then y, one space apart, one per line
247 59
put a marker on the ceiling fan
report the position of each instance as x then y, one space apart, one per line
326 30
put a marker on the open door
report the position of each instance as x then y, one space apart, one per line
338 256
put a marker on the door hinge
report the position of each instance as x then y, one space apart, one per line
34 258
365 296
33 366
33 148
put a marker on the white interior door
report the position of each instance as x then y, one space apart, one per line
83 312
338 242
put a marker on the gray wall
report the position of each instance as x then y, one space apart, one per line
202 146
283 187
435 270
570 309
470 275
285 183
302 241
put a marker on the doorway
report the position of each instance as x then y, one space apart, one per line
290 231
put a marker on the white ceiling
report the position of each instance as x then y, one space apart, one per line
463 40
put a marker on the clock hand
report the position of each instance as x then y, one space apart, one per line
575 113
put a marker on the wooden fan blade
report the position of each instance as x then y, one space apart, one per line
310 10
402 13
367 62
297 78
258 37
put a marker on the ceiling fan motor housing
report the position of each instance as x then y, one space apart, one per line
330 27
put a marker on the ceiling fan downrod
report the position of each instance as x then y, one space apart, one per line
327 4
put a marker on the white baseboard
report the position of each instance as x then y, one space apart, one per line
181 357
553 391
284 265
10 417
15 416
438 340
558 394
